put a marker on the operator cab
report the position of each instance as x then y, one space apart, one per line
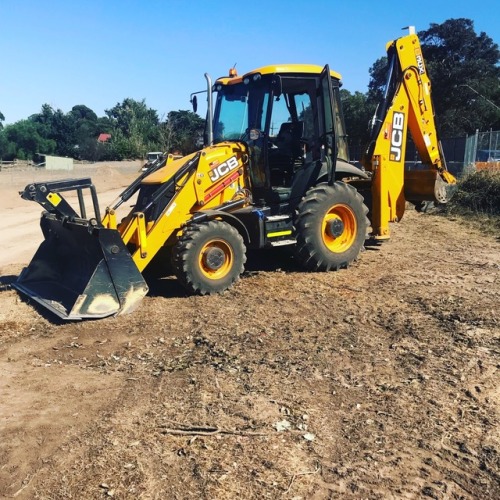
290 118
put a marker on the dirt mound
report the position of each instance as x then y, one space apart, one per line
109 175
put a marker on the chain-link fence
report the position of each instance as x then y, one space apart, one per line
482 150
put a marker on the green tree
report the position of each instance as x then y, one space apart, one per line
378 76
82 112
358 111
135 128
4 143
464 71
7 148
83 123
29 139
182 131
58 127
74 133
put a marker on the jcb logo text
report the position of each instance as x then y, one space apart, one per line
398 123
222 169
420 63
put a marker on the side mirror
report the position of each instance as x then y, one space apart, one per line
277 85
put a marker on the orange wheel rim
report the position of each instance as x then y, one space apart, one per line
216 259
339 228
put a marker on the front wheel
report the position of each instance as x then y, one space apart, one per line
209 257
331 227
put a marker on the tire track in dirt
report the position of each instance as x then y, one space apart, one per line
392 366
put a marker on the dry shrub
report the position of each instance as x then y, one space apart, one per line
478 193
478 198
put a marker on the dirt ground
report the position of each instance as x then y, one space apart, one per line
380 381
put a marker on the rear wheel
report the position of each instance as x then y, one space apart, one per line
209 257
331 227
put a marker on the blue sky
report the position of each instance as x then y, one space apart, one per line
99 52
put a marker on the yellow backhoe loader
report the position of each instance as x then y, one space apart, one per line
274 171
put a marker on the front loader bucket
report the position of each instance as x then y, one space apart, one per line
82 271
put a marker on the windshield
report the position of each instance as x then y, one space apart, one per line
238 109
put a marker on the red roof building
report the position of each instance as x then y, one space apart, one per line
104 137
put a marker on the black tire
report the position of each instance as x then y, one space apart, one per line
331 227
209 257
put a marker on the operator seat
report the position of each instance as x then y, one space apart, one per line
288 150
288 138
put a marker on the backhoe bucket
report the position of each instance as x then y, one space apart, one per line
82 271
426 185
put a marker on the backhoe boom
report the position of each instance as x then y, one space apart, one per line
406 105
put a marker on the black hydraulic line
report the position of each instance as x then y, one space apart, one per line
225 207
134 187
188 167
381 111
385 102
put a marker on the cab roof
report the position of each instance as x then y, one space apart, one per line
280 69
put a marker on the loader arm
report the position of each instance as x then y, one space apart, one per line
168 199
406 106
150 237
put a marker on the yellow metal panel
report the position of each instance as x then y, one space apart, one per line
165 173
282 69
109 219
220 174
54 198
143 240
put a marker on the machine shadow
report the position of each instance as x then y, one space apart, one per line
272 259
6 281
162 282
6 284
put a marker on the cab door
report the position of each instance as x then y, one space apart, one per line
327 130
